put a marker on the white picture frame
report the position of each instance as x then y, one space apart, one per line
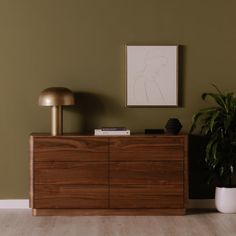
151 76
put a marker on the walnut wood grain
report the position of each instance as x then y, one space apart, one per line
71 173
61 143
161 172
31 172
107 212
71 196
158 202
132 175
146 196
144 144
147 189
70 155
163 153
186 174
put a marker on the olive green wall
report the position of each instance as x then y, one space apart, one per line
79 44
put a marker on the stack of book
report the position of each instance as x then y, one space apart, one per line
112 131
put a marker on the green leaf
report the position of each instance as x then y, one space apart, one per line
217 89
219 99
222 170
219 124
213 120
228 101
205 129
202 112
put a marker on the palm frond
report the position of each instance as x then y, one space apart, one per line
213 120
200 114
219 124
217 89
218 98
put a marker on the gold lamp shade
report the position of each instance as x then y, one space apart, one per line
56 97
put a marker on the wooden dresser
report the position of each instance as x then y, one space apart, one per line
122 175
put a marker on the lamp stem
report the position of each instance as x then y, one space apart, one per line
56 120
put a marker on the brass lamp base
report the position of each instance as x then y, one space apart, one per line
56 120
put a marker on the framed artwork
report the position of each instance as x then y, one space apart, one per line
151 75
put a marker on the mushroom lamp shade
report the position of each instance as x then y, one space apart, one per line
56 97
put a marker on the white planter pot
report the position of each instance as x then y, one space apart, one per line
225 200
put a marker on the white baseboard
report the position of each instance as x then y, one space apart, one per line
14 204
201 204
24 204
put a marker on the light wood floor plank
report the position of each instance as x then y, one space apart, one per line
21 223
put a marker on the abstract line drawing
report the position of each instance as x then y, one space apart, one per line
151 76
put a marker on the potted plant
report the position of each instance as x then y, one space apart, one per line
218 123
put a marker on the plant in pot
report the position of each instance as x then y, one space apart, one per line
218 123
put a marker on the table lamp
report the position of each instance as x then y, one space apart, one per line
56 97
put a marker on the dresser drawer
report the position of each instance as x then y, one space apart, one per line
70 196
174 152
147 196
71 173
145 144
146 149
161 172
70 155
70 149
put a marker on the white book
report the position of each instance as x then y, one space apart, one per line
111 132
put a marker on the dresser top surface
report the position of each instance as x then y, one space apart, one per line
137 135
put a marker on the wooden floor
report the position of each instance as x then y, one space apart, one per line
21 223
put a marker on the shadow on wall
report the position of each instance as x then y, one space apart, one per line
91 107
198 171
181 76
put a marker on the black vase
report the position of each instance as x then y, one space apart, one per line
173 126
